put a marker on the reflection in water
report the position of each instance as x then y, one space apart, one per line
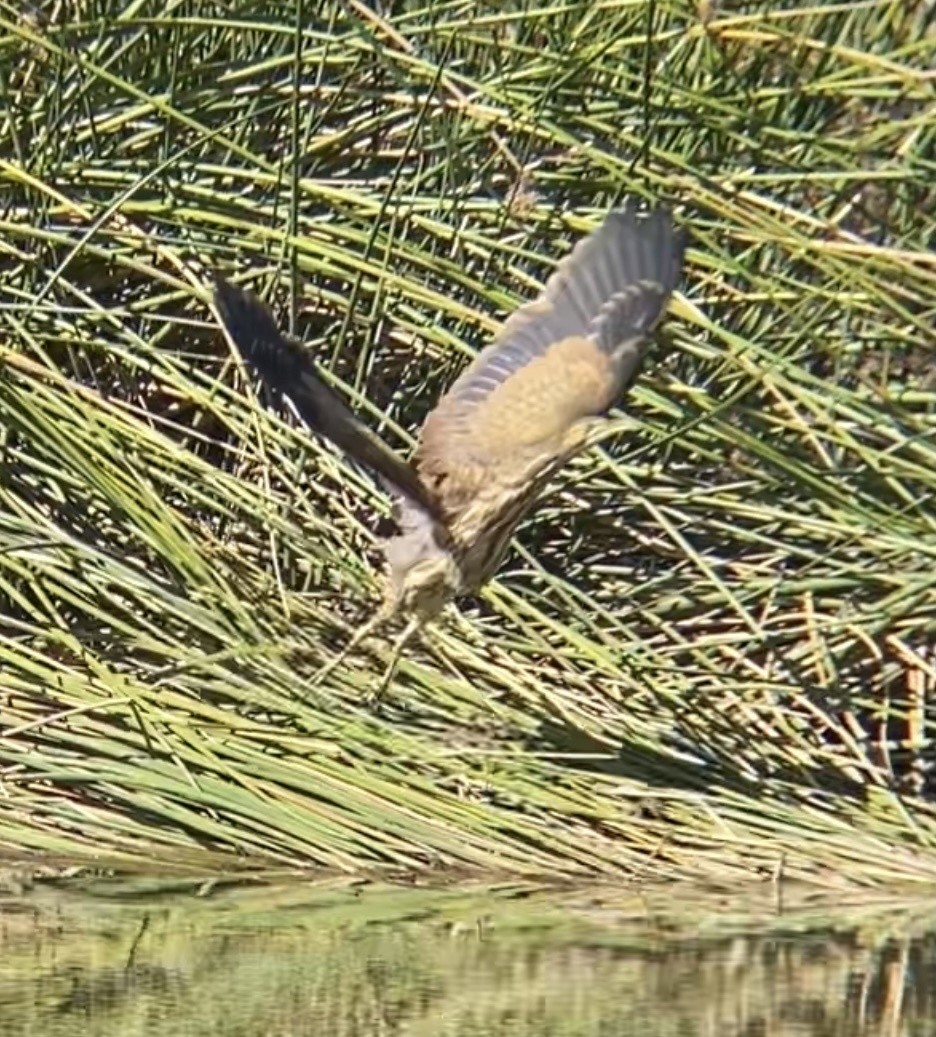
334 960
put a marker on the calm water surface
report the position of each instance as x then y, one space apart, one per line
331 959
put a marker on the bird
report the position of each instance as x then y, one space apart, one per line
538 394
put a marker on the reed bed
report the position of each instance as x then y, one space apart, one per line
710 654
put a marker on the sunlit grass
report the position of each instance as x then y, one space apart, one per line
711 653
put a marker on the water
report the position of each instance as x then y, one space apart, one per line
332 959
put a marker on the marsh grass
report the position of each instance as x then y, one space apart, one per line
710 653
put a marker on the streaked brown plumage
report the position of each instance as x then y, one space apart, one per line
525 405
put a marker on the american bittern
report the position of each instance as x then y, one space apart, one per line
527 403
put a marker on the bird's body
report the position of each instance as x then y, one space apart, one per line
509 422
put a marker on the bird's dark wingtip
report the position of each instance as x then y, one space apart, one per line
221 287
233 302
682 238
250 324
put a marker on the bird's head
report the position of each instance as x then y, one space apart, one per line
423 574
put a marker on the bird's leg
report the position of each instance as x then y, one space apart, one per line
413 625
353 641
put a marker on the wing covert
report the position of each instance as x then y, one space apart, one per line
562 358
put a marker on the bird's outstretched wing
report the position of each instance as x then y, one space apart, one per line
290 370
563 358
